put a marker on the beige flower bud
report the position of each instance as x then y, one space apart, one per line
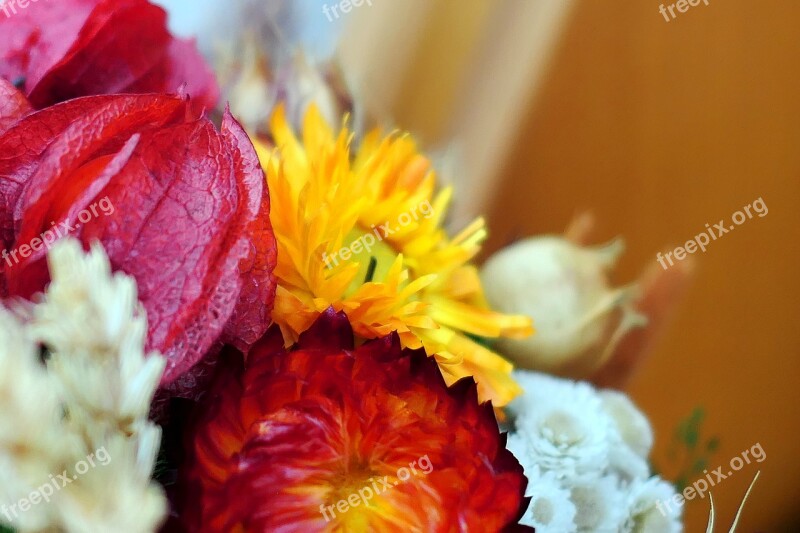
564 288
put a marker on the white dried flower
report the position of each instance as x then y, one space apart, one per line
599 504
95 328
93 395
117 496
566 429
646 509
629 456
564 288
625 463
550 509
633 426
591 446
33 443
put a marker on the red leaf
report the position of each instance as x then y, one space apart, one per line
73 48
118 44
33 39
256 239
182 66
13 105
23 147
186 213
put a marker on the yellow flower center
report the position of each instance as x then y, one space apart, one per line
347 483
423 283
374 257
563 428
353 501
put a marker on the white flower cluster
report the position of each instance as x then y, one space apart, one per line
93 392
585 454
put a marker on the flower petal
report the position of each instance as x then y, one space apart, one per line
293 433
186 213
13 105
73 48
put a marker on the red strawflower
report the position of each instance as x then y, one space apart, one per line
63 49
294 437
177 204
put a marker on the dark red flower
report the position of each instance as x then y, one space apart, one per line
328 437
63 49
177 204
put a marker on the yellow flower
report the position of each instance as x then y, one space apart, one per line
363 234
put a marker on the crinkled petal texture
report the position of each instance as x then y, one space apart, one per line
326 437
360 228
64 49
13 105
177 204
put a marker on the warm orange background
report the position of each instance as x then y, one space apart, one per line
659 128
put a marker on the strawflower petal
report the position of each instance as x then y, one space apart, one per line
292 439
359 229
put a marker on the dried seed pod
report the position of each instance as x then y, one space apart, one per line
564 287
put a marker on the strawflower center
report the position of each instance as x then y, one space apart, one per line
563 429
348 483
374 256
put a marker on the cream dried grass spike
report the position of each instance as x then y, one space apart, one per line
712 514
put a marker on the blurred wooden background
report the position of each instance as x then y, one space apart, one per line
659 128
